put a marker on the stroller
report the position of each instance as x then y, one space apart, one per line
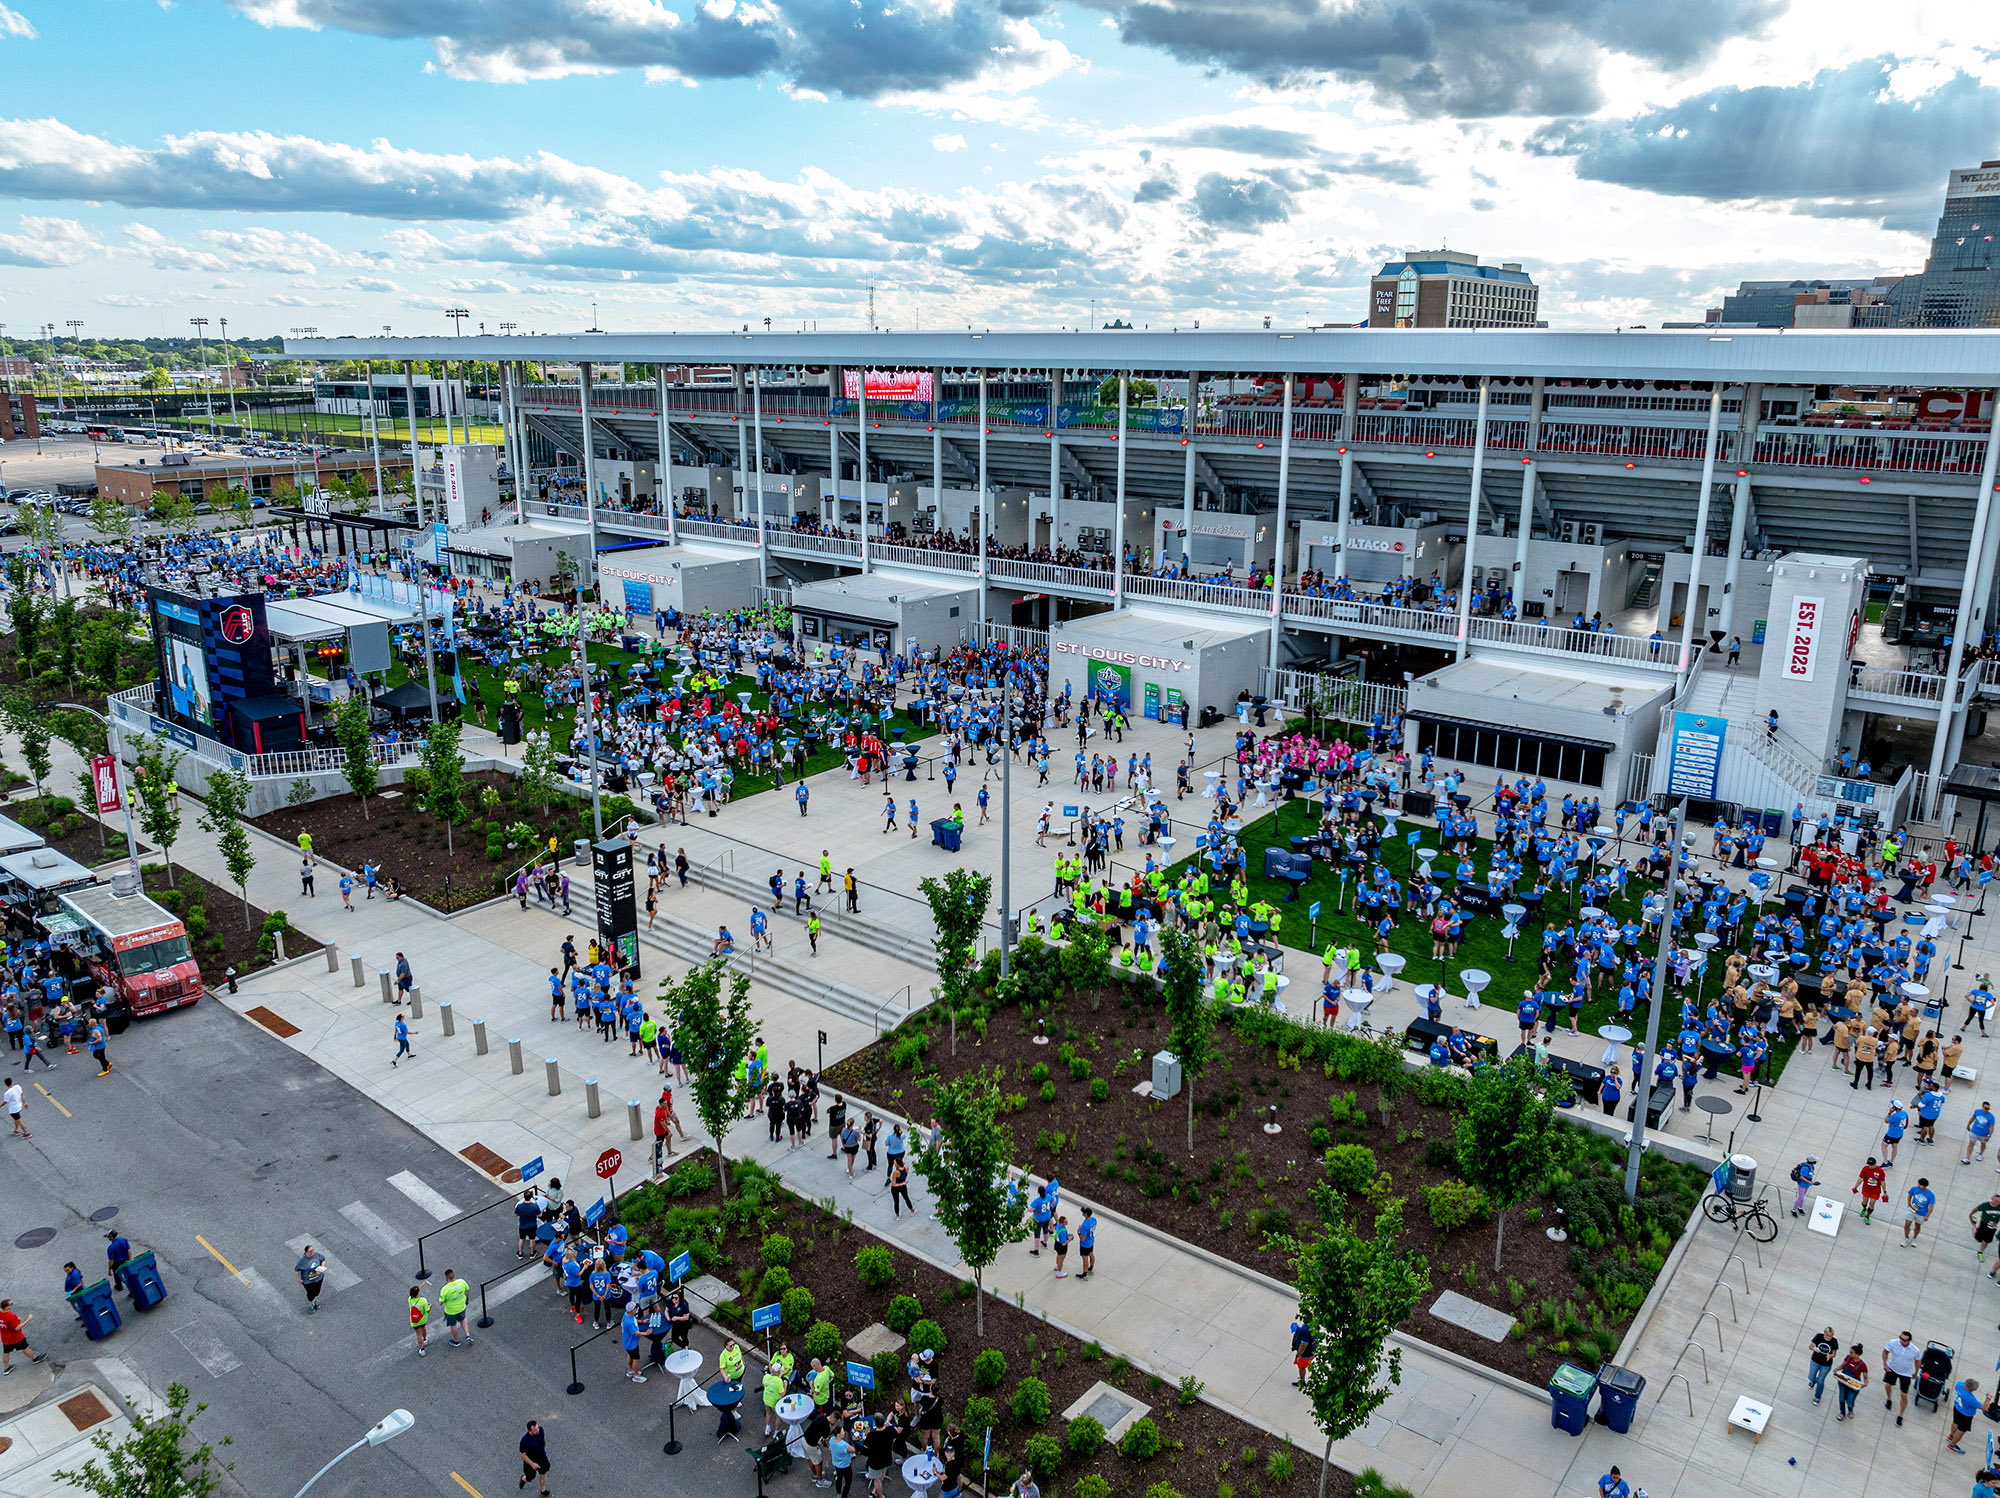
1933 1374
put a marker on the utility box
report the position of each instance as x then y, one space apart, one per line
1166 1075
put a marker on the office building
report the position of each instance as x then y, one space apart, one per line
1815 303
1451 289
1960 284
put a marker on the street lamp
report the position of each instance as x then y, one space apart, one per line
1642 1087
387 1428
228 370
117 775
201 339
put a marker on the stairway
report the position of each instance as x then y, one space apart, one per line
1648 591
916 951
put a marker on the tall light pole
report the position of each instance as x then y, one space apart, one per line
117 774
200 325
1642 1087
49 336
73 324
387 1428
1006 805
228 370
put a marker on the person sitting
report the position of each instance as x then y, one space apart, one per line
725 944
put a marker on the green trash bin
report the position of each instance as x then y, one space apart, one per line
96 1309
1570 1392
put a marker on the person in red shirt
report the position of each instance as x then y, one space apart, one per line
1870 1185
14 1337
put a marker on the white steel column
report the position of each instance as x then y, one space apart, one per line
1187 478
1284 490
861 466
374 429
1693 604
984 520
1118 514
1527 520
937 444
1968 624
410 409
833 442
757 422
1739 511
664 485
587 576
1350 394
1472 524
742 440
1055 458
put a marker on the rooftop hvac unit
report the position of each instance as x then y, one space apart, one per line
1588 532
1566 532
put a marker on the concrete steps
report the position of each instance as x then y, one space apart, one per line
901 945
690 944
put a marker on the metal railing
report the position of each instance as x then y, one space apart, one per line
1018 637
1207 595
1347 698
1434 624
921 556
785 539
1908 686
1634 650
1049 575
709 530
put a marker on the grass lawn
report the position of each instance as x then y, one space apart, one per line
295 422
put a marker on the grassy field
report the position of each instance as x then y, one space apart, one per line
297 423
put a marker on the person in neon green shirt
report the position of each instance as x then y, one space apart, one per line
731 1363
774 1390
451 1300
420 1318
822 1383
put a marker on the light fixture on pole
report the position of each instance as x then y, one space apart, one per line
1642 1087
74 325
386 1429
228 369
200 325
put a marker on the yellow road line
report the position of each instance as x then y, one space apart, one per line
51 1097
467 1486
218 1257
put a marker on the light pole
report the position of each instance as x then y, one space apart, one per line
1642 1087
73 325
228 370
49 337
117 775
201 341
1006 808
387 1428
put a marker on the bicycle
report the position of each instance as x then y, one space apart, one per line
1751 1218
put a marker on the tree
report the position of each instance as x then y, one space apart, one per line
967 1177
1135 391
156 787
1190 1016
537 782
350 729
110 519
228 797
1353 1292
715 1032
958 912
1507 1135
156 378
446 772
175 510
26 719
155 1460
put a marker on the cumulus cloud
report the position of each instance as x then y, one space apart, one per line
1852 141
1455 58
14 24
373 283
864 49
948 143
47 243
1237 204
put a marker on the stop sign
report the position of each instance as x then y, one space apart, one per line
608 1163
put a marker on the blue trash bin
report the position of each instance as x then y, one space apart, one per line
141 1276
1570 1389
1774 821
1618 1391
946 834
96 1309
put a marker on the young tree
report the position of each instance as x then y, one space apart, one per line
715 1032
110 519
967 1177
155 1460
1353 1292
1190 1016
538 778
222 815
156 787
1507 1135
446 772
958 912
176 510
350 728
21 714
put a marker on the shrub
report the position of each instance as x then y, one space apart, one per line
1438 1088
927 1334
888 1368
989 1368
776 1251
823 1342
1350 1167
1079 1068
981 1415
1043 1456
1084 1437
691 1179
876 1266
1090 1485
1048 1092
1141 1441
798 1304
1278 1465
1441 1154
1030 1404
1190 1390
1452 1204
773 1286
1163 1489
904 1312
1100 1090
909 1049
1040 1072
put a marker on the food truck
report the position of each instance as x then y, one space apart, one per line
136 952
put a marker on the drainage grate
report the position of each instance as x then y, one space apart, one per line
486 1160
284 1029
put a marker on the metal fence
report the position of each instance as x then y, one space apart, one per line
1346 698
1017 637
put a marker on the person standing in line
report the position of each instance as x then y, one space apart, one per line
836 1125
899 1185
840 1461
1062 1245
1086 1244
850 1145
1825 1345
420 1317
402 1040
535 1456
451 1300
628 1335
527 1216
14 1337
1964 1406
16 1100
311 1270
853 892
871 1130
1899 1366
1921 1199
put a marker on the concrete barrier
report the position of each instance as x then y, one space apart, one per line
632 1118
514 1055
555 1076
444 1015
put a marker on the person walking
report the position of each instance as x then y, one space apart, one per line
893 1147
1849 1380
1899 1366
812 932
98 1042
347 892
1613 1485
402 1040
1921 1200
1964 1406
1825 1347
16 1100
451 1300
1805 1177
1894 1124
1978 1130
311 1270
420 1317
535 1456
1870 1184
306 878
404 979
14 1337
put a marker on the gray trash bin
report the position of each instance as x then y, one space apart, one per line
1742 1177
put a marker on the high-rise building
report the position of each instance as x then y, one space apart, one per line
1451 289
1960 283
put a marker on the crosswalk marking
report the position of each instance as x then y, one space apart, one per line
264 1290
423 1196
337 1275
520 1284
385 1237
207 1348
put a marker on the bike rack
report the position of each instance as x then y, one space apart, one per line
1686 1388
1718 1285
1692 1346
1708 1316
1737 1260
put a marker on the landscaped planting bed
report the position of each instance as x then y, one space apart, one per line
1074 1113
834 1279
217 933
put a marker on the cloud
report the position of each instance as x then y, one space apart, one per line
864 49
1236 204
372 283
1847 143
1481 205
128 300
47 243
14 24
948 143
1162 187
1249 140
1449 58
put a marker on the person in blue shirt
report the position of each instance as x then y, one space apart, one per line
1611 1484
1964 1405
1086 1244
1978 1129
1929 1106
1609 1092
1805 1175
1527 1012
402 1041
1039 1212
759 924
601 1286
1921 1199
1440 1052
1893 1127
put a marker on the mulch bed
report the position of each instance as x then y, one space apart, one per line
1203 1450
72 830
409 844
1240 1184
134 662
218 936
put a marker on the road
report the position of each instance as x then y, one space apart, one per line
222 1150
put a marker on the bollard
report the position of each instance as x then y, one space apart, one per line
332 958
479 1037
632 1118
382 977
555 1076
359 981
279 938
590 1097
416 1002
514 1055
444 1015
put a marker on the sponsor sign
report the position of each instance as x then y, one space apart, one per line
1805 622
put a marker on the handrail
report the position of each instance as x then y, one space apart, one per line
909 1001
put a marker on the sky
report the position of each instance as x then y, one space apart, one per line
350 165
